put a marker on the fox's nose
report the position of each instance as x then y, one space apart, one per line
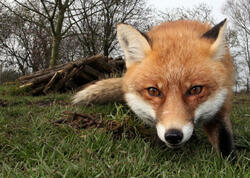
173 136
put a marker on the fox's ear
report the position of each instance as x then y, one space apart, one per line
134 43
217 33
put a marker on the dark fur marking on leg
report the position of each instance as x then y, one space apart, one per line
226 145
225 141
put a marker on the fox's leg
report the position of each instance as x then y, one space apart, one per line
219 132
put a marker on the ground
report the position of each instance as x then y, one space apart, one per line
39 138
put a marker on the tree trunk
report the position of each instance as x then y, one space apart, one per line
57 35
247 86
106 50
55 51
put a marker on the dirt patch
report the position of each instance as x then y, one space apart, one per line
118 129
79 120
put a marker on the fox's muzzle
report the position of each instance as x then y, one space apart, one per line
174 137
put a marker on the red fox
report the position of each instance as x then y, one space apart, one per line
179 74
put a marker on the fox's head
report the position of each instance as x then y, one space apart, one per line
178 74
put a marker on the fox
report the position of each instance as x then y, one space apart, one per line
178 75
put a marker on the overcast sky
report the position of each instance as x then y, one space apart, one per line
216 5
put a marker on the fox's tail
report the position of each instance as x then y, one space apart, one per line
103 91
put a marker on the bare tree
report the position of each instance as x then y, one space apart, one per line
96 32
24 46
38 34
54 12
233 43
201 12
239 14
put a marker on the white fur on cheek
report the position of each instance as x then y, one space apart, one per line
187 131
161 130
210 107
143 109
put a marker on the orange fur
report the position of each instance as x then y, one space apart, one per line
179 59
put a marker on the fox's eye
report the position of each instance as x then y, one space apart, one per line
152 91
195 90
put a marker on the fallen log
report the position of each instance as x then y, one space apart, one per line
71 75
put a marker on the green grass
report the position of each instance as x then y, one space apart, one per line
32 146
